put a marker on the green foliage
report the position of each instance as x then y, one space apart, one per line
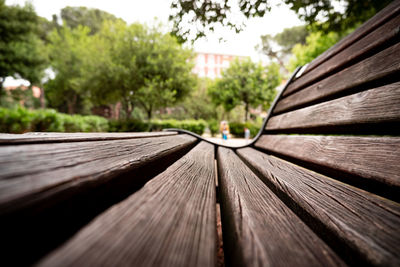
21 51
247 83
198 104
278 46
196 126
69 51
130 125
18 96
289 37
139 65
92 18
213 125
20 120
194 18
350 15
237 128
316 44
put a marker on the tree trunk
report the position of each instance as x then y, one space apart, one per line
128 110
42 101
71 105
246 114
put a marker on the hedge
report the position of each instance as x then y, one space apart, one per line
20 120
196 126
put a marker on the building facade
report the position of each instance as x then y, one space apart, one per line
211 65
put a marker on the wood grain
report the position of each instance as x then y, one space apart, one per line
392 10
372 107
47 137
259 230
356 51
373 158
30 173
379 66
364 227
171 221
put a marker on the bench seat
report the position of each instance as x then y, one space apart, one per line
318 186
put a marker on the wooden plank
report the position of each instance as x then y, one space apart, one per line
258 228
356 51
375 158
31 173
392 10
48 137
372 107
49 191
364 228
379 66
171 221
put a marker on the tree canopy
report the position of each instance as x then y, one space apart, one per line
321 14
135 65
22 53
247 83
92 18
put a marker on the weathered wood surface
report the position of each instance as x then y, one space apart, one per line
374 158
171 221
30 173
362 226
356 51
43 137
259 230
384 15
372 107
378 66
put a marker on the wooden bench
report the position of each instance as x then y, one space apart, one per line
319 185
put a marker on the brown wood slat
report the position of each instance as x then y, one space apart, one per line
380 36
362 226
371 107
382 64
384 15
375 158
259 230
171 221
47 137
30 173
49 191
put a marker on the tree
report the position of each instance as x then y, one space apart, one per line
22 53
69 49
316 44
205 15
247 83
139 66
92 18
198 104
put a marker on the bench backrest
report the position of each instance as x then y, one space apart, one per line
341 112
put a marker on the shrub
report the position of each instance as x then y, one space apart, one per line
213 126
131 125
196 126
237 128
20 120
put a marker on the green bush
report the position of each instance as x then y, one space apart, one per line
20 120
196 126
213 126
132 125
237 128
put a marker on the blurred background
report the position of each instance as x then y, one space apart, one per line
87 66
